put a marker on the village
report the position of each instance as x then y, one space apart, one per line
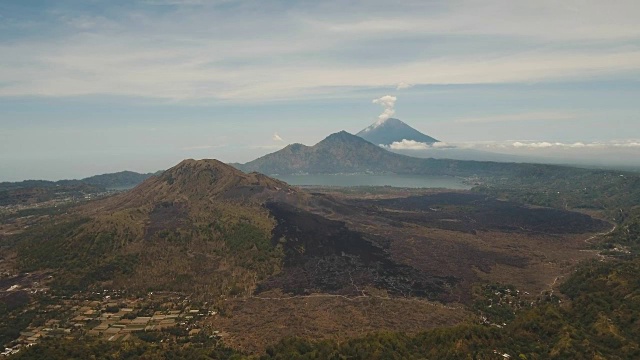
58 199
112 315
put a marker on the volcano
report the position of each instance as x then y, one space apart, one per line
386 132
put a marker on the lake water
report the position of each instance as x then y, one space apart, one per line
406 181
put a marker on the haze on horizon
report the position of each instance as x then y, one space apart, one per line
89 87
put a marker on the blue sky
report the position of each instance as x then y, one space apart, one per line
93 86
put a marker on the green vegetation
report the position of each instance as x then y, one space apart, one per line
16 194
625 240
13 319
89 348
114 180
84 257
46 246
38 211
253 248
31 184
497 303
602 322
122 179
567 188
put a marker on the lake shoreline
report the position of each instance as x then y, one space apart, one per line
382 180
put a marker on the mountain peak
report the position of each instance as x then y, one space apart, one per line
206 173
394 121
341 133
191 165
340 152
295 147
198 182
212 176
383 122
341 137
388 131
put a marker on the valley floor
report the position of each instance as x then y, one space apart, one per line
408 260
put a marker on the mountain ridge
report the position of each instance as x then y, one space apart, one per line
189 222
120 179
340 152
104 181
344 153
209 177
227 232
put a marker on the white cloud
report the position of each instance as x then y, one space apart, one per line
388 102
442 145
276 137
409 145
633 144
81 67
559 145
415 145
516 145
545 20
260 51
403 85
543 144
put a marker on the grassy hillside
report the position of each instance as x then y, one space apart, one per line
199 227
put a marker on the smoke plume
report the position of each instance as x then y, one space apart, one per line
388 102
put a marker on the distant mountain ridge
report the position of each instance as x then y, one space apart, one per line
337 153
392 130
34 191
346 153
119 179
206 228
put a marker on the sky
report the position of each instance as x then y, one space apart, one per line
89 87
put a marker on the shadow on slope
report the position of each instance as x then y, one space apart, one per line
323 255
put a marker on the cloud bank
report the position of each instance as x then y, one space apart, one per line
512 145
196 50
575 145
415 145
403 85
